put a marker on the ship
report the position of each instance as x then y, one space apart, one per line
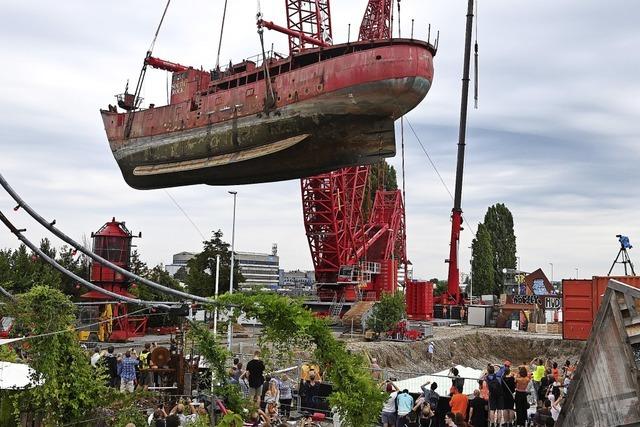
271 118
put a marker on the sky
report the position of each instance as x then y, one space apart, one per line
554 138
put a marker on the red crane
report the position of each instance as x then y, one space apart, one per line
353 258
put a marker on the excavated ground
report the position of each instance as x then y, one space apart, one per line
468 346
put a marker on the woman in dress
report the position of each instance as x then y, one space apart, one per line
509 386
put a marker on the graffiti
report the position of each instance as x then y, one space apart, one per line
526 299
548 302
552 303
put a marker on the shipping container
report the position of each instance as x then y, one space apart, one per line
581 300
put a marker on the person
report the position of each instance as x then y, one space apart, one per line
449 418
235 372
404 402
509 386
565 384
459 420
376 371
556 406
430 350
521 402
310 391
538 374
257 419
178 411
555 371
111 362
158 417
430 395
456 380
424 411
389 408
127 371
459 403
95 357
286 396
255 371
146 375
172 420
272 400
496 399
198 411
543 417
478 413
545 385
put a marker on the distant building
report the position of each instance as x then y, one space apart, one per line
296 278
179 260
259 269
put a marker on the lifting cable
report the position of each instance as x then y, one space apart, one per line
224 15
433 165
50 226
475 64
72 275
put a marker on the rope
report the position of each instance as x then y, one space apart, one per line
185 214
224 15
435 168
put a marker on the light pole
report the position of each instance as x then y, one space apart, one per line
233 236
215 312
577 273
518 265
551 264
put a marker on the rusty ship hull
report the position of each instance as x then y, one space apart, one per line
333 107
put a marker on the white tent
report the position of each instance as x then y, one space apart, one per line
15 376
443 379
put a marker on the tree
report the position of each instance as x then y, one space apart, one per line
482 270
499 223
387 312
202 268
381 175
159 275
441 286
68 387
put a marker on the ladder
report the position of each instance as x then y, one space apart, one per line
336 308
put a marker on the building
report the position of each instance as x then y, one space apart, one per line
179 260
259 269
297 279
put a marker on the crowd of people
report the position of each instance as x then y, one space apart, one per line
532 394
126 371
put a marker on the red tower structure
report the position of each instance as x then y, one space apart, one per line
353 258
113 242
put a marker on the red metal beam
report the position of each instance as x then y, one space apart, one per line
305 38
161 64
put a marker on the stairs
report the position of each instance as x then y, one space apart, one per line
357 314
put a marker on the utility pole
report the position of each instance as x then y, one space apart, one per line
215 312
233 237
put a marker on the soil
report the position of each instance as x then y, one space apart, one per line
468 346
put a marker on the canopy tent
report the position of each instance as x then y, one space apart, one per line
443 379
15 376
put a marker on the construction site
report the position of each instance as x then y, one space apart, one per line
192 346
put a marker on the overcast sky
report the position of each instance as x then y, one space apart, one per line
555 137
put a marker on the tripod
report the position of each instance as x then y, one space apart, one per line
625 260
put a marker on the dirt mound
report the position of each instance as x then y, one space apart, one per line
469 348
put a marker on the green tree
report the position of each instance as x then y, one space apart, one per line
482 263
381 175
69 388
499 223
441 286
158 275
202 268
387 312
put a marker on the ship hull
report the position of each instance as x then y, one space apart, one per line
352 125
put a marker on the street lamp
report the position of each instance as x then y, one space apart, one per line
233 236
551 264
215 318
577 273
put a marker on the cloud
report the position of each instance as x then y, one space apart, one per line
555 137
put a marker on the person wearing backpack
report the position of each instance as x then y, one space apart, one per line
430 395
496 398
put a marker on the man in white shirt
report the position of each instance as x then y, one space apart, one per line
389 407
430 350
